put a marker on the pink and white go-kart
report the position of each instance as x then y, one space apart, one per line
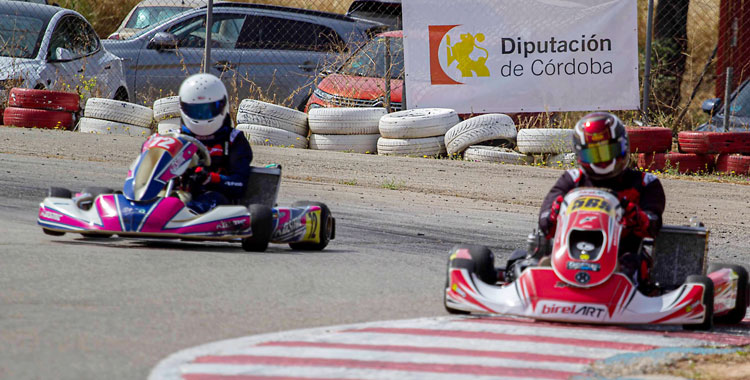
152 206
581 283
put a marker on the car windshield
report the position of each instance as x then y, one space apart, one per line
20 36
369 61
144 17
740 105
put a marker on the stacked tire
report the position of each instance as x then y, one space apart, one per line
350 129
167 114
107 116
416 132
272 125
545 141
732 149
487 137
41 109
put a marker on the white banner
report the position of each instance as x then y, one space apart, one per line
479 56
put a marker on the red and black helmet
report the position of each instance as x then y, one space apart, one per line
601 145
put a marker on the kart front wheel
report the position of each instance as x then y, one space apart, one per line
708 302
327 228
261 222
59 192
737 314
49 232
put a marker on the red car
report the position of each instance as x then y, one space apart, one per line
360 81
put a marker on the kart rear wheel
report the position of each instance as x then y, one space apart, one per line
708 301
737 314
49 232
59 192
327 228
261 221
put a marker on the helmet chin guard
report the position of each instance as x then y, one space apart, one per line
203 104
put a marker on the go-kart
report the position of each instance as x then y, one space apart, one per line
153 205
581 281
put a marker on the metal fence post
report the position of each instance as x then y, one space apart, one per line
647 64
387 74
209 24
727 94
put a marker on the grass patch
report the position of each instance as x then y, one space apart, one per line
392 184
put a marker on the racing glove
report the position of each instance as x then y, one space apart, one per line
202 177
551 222
636 220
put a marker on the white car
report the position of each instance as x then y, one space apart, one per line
152 12
53 48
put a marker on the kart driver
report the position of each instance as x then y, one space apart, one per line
603 153
205 116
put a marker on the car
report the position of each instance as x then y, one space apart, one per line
152 12
739 107
359 82
54 48
386 11
265 52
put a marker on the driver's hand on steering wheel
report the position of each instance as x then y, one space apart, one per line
202 177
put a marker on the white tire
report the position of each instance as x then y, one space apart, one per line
426 146
270 136
480 129
345 121
345 143
106 127
562 160
496 154
271 115
417 123
167 108
118 111
169 125
545 140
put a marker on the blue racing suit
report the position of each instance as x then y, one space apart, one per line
229 171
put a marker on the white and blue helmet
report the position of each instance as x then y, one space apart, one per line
203 104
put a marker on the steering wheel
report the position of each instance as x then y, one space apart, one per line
203 156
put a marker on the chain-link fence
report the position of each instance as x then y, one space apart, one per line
276 51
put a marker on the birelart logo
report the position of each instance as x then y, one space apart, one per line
452 61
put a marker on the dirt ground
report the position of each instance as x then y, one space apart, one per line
733 366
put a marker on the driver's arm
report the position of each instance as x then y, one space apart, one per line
652 202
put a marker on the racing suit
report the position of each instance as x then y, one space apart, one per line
225 181
641 188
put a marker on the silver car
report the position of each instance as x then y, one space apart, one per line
48 47
265 52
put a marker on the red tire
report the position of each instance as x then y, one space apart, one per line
44 99
738 164
683 162
28 117
649 139
714 142
722 163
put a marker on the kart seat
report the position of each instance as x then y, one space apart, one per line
262 186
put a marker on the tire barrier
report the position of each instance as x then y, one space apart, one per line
481 129
649 139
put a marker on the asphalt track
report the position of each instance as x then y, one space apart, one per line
72 308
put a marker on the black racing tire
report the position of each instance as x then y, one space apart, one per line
95 235
483 260
59 192
449 309
96 191
708 300
49 232
261 222
737 314
327 228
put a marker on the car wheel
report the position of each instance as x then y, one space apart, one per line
480 129
737 314
121 94
426 146
118 111
496 154
345 143
261 220
708 301
327 228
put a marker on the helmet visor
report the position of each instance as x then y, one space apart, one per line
204 111
601 152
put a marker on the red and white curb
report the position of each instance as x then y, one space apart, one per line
454 348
